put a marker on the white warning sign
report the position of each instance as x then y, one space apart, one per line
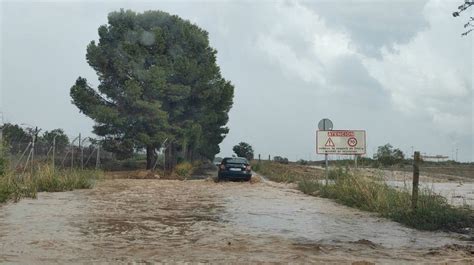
340 142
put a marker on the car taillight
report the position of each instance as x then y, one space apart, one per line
248 168
222 167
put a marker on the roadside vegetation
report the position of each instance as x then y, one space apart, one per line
16 185
184 169
14 188
371 194
280 172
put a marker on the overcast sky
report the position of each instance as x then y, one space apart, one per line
398 69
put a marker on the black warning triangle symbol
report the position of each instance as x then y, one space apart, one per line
329 143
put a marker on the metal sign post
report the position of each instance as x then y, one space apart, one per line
339 142
325 125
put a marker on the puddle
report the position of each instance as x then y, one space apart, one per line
456 193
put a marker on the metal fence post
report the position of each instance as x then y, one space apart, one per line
72 155
54 151
416 177
33 155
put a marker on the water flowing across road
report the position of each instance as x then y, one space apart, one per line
127 220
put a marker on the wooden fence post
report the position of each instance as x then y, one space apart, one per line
416 178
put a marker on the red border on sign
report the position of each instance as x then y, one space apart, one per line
365 142
349 144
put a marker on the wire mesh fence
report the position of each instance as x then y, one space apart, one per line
79 154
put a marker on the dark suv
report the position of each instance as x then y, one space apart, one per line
237 168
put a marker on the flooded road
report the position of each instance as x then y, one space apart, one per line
129 220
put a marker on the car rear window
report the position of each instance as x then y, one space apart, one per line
235 160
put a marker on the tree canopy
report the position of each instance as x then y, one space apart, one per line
13 133
469 26
158 80
60 138
243 150
388 156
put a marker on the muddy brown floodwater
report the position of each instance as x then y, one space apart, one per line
141 221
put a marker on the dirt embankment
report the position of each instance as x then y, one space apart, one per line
144 220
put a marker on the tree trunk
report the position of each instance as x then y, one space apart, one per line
150 157
170 155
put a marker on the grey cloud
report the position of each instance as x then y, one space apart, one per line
373 24
43 48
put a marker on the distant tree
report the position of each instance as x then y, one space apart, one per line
158 80
243 150
12 133
281 160
470 23
388 156
302 162
62 141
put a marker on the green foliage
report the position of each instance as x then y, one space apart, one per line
433 211
243 150
13 133
158 80
53 181
388 156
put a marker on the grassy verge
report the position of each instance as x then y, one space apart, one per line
284 172
432 213
14 188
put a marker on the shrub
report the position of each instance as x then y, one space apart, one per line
184 169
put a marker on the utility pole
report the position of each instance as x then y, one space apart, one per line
456 154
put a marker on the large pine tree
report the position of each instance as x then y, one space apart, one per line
158 80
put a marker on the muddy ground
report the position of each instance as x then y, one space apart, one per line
146 220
